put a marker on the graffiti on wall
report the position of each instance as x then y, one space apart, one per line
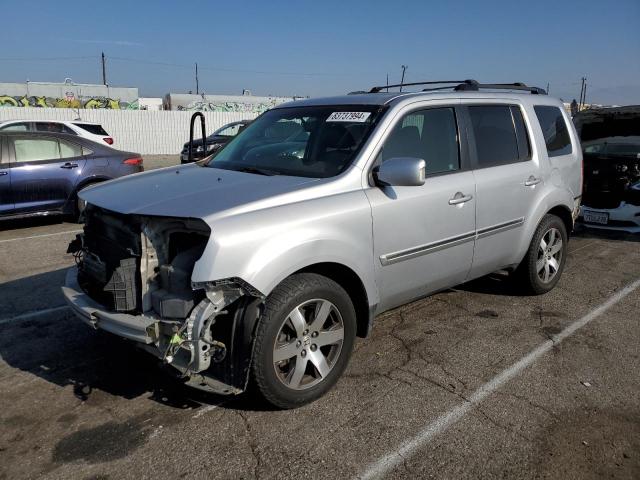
204 106
68 101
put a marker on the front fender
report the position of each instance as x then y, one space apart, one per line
264 247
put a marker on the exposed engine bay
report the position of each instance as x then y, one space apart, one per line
610 140
141 266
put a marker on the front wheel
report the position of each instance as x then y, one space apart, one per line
303 340
542 266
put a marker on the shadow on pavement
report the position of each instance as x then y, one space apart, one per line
61 349
39 221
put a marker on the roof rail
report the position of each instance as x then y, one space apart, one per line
380 88
465 85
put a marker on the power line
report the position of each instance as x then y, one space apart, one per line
45 59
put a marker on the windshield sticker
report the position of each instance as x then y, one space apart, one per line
358 117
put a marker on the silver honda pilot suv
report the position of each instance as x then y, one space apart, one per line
263 262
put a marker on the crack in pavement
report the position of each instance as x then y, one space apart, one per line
253 444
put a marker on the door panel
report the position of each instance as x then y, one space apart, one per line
41 177
424 235
503 205
422 243
508 179
6 200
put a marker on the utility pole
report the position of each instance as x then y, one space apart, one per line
583 93
387 83
584 96
104 71
547 88
197 87
404 69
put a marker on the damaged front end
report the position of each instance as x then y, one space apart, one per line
133 279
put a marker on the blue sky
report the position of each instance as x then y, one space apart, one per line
326 47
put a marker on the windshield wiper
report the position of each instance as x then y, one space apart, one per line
258 171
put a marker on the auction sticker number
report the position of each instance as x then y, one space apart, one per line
348 117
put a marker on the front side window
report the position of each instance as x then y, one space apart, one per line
496 139
430 135
315 142
15 127
35 149
554 130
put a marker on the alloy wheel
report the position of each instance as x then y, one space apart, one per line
550 253
308 344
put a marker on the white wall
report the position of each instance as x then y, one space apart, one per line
143 131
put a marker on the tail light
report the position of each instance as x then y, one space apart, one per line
133 161
109 140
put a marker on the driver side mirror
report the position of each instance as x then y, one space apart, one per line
400 172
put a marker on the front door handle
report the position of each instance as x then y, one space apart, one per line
3 174
69 165
459 198
532 181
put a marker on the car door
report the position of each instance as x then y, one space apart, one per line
424 235
44 171
6 200
508 179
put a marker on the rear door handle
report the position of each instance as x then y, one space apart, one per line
459 198
532 181
69 165
3 173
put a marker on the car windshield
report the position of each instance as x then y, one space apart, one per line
315 142
629 146
227 131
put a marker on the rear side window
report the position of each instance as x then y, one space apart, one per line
431 135
495 135
554 129
95 129
53 127
69 150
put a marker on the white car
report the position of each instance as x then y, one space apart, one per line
611 145
91 131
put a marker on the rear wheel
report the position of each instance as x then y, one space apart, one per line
303 340
542 266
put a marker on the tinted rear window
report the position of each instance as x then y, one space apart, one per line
95 129
554 129
495 135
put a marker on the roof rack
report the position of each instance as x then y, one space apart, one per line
465 85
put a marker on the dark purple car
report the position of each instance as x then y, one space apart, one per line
41 174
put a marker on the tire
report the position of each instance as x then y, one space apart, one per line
540 270
296 361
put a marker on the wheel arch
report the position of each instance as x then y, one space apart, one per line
564 213
352 284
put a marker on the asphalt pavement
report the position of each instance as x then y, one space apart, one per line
474 382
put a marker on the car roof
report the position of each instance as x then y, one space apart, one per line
393 98
47 121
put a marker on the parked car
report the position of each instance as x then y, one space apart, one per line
42 173
88 130
215 141
611 148
265 262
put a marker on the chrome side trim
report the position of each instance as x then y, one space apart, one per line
402 255
395 257
501 227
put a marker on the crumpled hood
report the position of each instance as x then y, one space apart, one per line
188 191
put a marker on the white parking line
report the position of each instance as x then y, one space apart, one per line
39 236
385 464
32 315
